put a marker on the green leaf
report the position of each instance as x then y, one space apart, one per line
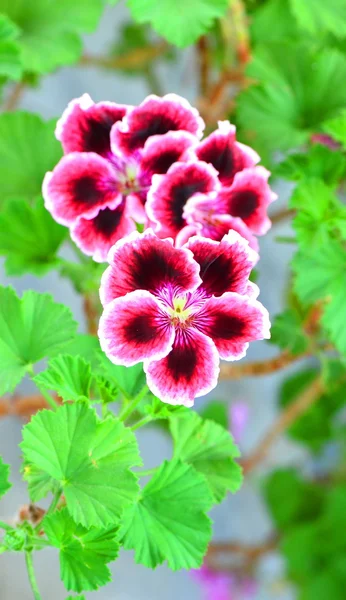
39 482
29 237
5 485
210 449
273 21
319 163
84 553
290 499
50 30
169 522
28 149
180 22
30 329
336 128
216 411
88 458
320 273
288 334
319 17
76 598
86 346
300 548
10 60
129 380
291 98
69 376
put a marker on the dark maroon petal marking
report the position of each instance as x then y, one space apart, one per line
225 266
143 261
161 151
190 370
169 194
226 154
86 126
134 328
96 236
155 116
80 185
233 321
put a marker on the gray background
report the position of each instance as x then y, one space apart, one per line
242 517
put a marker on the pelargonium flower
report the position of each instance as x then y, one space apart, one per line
247 198
217 585
179 310
111 154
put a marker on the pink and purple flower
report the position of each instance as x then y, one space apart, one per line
179 310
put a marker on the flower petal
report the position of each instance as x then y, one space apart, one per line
227 155
134 328
80 185
226 265
169 194
96 236
190 370
143 261
155 116
162 151
248 198
233 321
86 126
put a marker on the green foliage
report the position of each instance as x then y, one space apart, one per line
84 553
210 449
32 328
319 17
87 458
10 62
29 237
50 31
216 411
318 163
69 376
4 476
172 508
129 380
290 99
287 332
28 149
180 22
336 128
315 427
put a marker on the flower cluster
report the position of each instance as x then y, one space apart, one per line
176 297
146 165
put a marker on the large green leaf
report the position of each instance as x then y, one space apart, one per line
336 128
10 59
28 149
30 329
291 98
180 22
4 475
69 376
29 237
210 449
88 458
287 332
50 29
169 522
319 17
84 553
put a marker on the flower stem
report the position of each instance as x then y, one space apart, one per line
32 576
55 501
147 472
129 408
142 422
49 399
5 526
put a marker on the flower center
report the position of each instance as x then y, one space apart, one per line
179 313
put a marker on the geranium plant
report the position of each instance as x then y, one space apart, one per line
162 206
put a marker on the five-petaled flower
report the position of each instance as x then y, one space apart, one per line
179 310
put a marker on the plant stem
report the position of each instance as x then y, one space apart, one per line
49 399
32 576
54 502
147 472
5 526
142 422
131 406
14 97
294 410
134 58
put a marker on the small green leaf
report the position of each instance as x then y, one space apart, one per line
210 449
29 237
39 482
30 329
169 522
319 162
84 553
287 332
216 411
5 485
336 128
89 459
69 376
129 380
180 22
28 149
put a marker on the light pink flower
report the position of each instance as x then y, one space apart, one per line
179 310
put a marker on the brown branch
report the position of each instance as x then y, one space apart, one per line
309 396
243 549
204 64
282 215
14 97
91 314
134 58
260 367
23 407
